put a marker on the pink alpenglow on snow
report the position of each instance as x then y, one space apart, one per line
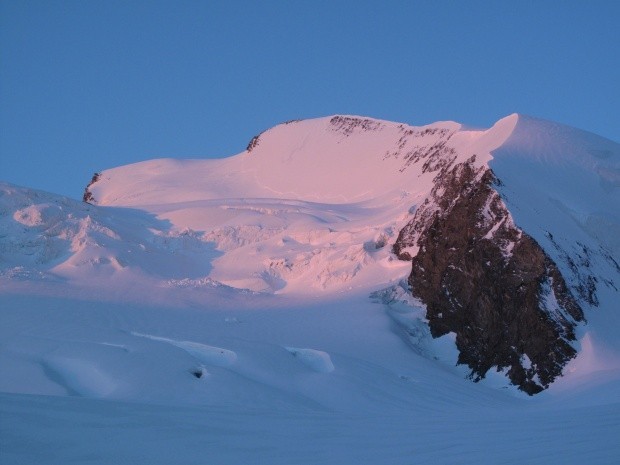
435 292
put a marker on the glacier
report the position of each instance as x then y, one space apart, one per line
252 309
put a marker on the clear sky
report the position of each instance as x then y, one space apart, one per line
87 85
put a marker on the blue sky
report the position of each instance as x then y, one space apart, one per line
89 85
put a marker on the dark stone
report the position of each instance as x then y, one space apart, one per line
253 143
88 196
347 125
489 282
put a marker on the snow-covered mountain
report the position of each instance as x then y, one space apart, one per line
342 264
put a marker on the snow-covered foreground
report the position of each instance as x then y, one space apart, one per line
72 430
251 310
108 383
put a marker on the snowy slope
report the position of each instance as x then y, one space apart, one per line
316 197
561 185
255 305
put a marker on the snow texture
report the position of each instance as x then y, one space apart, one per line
218 311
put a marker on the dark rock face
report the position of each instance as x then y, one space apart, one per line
88 196
253 143
489 282
436 155
347 125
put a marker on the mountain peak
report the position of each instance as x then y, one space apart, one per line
498 231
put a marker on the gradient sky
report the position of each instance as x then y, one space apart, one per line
88 85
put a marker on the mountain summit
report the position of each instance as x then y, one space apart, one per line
327 295
511 231
503 242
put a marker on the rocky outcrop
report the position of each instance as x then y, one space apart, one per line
88 196
348 125
253 143
487 281
435 155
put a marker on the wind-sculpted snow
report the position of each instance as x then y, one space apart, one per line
53 239
209 355
80 377
260 301
316 360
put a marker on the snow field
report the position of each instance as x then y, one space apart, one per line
250 310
